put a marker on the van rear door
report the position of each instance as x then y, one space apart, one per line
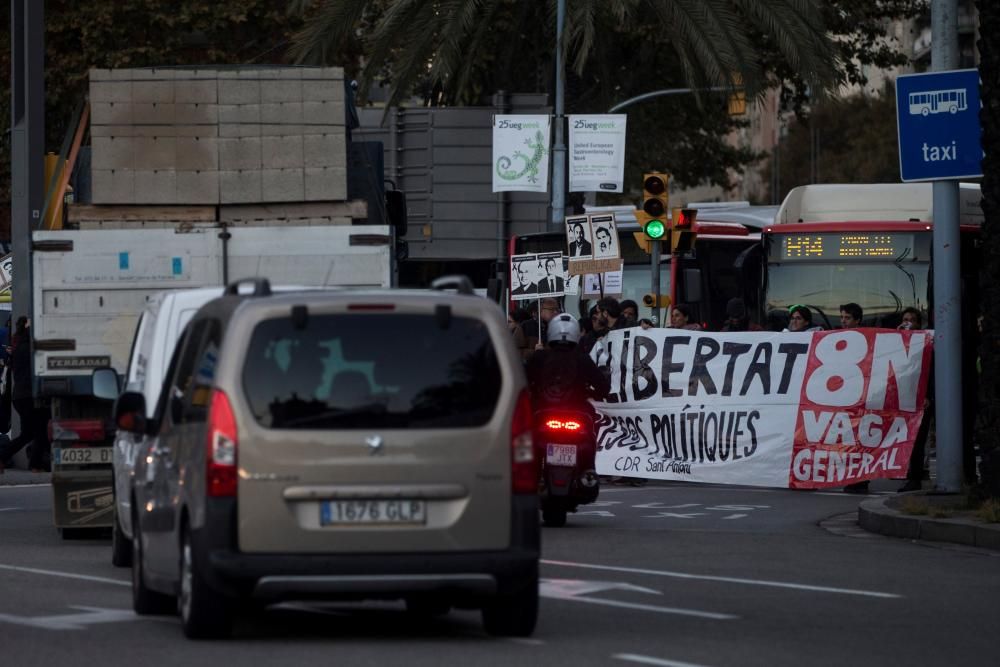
376 427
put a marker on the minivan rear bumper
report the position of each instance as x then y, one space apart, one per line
273 577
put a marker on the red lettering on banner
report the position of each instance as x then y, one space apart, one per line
862 401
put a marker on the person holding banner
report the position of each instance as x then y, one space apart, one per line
850 318
913 321
800 319
680 318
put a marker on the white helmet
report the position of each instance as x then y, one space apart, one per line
563 329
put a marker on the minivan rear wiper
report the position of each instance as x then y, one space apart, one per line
369 410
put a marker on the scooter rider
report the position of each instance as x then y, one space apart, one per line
562 376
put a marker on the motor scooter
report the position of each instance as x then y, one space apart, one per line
566 447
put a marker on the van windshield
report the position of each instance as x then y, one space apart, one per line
379 370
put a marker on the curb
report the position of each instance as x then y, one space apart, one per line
875 516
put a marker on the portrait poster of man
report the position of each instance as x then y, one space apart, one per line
578 238
552 280
523 277
605 236
572 283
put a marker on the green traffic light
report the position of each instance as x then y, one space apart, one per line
655 229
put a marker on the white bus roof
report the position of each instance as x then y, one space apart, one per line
870 202
739 212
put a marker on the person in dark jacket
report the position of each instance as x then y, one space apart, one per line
24 404
562 375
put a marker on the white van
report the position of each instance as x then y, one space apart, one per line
160 325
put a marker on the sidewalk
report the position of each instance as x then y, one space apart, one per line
884 515
19 476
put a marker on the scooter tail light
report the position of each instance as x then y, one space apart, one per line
524 472
563 425
221 449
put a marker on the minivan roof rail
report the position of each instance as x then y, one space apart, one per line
261 287
460 284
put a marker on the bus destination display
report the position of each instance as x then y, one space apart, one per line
847 245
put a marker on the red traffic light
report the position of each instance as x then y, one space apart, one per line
684 218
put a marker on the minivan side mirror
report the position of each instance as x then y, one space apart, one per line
130 413
105 383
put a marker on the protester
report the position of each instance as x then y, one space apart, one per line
737 318
630 311
549 309
24 403
680 318
800 319
850 318
611 314
913 321
646 323
597 331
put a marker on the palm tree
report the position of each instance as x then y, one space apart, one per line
449 43
988 431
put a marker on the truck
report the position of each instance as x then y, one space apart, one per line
200 177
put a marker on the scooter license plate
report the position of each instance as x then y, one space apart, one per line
560 455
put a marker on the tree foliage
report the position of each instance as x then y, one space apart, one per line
988 431
450 52
843 140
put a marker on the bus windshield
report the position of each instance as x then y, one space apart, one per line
882 290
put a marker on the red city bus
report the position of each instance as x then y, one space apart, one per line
706 277
866 244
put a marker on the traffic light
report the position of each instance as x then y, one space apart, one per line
652 215
651 300
682 234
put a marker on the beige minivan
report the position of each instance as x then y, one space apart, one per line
338 445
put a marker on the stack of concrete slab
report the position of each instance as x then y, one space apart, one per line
218 136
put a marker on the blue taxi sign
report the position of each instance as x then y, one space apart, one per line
937 116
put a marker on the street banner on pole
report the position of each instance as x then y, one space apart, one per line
796 410
6 272
521 153
597 153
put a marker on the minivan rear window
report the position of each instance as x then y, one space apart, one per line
371 370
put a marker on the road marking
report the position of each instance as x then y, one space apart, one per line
733 516
572 587
9 509
672 515
574 590
648 607
24 486
88 616
68 575
649 660
527 641
731 580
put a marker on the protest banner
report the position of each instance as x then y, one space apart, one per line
537 275
592 243
794 410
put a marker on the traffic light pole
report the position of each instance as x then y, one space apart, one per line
654 267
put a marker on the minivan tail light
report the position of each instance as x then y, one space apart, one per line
221 450
524 471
